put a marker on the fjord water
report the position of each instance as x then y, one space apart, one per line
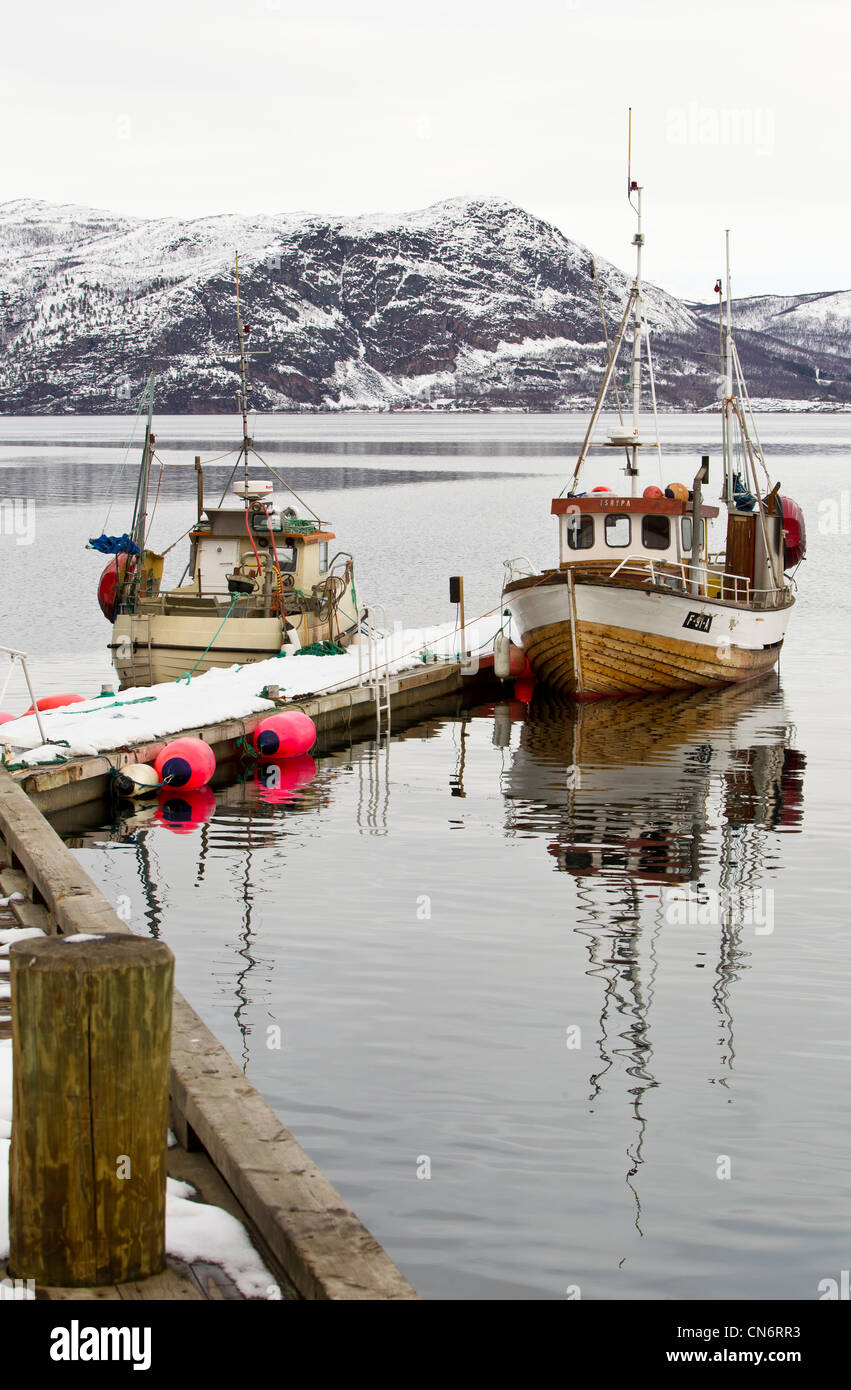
558 998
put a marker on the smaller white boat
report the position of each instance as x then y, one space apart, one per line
261 579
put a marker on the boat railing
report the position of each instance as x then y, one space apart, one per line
701 580
514 571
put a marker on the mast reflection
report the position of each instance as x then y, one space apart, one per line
648 804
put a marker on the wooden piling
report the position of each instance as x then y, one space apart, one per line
91 1043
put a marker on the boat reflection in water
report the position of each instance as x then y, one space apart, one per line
664 810
630 786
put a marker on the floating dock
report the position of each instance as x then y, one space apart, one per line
338 715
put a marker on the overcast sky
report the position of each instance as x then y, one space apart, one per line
191 107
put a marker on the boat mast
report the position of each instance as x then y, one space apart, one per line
243 394
738 408
728 378
637 317
140 513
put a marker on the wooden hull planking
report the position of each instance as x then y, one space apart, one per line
647 650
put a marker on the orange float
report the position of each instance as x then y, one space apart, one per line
678 491
56 702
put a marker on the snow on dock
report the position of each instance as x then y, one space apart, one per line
146 713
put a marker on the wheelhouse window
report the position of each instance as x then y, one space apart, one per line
287 558
261 523
580 532
618 530
655 532
323 556
688 532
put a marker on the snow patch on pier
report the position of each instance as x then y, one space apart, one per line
145 714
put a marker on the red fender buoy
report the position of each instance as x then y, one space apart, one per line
188 763
114 574
283 779
794 533
183 811
286 734
653 491
524 689
56 702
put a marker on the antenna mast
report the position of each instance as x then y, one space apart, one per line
638 309
243 396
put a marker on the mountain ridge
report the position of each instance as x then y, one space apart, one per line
470 303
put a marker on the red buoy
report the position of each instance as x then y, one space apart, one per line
286 734
183 811
653 491
794 533
283 779
524 689
188 763
114 574
56 702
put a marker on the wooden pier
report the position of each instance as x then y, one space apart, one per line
232 1146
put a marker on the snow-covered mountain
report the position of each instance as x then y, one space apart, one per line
472 303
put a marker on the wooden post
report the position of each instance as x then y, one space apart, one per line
91 1043
456 595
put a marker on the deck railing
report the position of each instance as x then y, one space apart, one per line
704 581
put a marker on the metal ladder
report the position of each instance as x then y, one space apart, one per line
378 674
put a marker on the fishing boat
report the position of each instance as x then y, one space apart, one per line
261 578
643 598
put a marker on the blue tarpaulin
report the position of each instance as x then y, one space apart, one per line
115 545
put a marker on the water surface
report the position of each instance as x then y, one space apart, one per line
578 965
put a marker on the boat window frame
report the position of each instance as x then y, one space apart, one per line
577 525
323 557
655 519
263 525
686 520
612 517
284 564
